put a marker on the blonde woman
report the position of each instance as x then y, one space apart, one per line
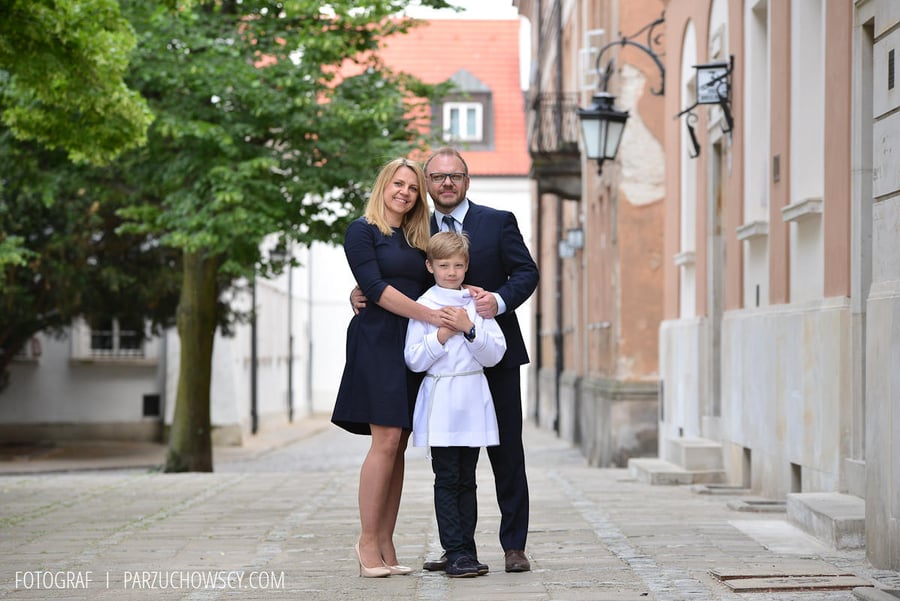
385 250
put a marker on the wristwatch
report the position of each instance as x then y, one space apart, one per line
470 336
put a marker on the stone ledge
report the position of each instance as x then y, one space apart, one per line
661 472
836 519
757 506
875 594
695 454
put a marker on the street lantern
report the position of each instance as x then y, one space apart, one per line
601 128
602 123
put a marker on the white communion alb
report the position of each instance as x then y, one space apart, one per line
454 407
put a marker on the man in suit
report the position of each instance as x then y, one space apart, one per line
502 266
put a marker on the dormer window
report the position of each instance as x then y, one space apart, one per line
466 115
463 122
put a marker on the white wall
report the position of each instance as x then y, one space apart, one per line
785 392
683 370
55 389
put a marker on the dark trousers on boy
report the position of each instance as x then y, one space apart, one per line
455 502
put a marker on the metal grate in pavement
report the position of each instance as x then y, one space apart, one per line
762 581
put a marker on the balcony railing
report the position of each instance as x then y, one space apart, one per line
553 125
553 144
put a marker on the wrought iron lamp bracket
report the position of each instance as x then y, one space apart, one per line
653 39
721 86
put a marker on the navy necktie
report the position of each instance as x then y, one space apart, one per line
448 221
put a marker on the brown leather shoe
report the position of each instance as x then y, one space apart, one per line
517 562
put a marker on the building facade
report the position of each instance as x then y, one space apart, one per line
598 236
779 342
750 222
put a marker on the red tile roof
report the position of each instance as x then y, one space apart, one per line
489 50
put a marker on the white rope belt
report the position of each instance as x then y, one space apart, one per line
437 378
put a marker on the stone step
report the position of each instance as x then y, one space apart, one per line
694 453
838 520
875 594
652 470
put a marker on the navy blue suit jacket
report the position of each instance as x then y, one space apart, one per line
500 262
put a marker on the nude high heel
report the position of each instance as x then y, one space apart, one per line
376 572
399 570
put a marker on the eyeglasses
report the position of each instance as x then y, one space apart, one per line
438 178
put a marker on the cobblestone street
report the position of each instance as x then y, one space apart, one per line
280 522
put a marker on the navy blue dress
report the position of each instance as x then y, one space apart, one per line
376 386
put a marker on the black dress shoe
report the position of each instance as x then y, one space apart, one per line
438 565
463 567
517 562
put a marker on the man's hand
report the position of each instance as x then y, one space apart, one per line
473 289
486 304
357 300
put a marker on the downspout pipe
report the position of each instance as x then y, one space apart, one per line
558 337
254 416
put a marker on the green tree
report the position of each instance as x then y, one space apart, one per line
70 259
62 64
272 118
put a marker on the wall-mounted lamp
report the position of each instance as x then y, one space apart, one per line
713 86
601 128
575 237
601 123
565 250
573 241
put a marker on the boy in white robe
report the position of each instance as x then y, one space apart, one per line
454 414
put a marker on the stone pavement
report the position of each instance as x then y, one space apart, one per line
278 520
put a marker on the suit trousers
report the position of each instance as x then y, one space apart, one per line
455 501
508 459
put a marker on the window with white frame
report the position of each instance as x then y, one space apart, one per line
111 337
463 121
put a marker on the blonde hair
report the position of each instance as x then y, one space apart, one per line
416 227
444 245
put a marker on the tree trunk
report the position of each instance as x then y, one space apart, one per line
190 440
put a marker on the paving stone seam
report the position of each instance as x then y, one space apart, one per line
272 544
660 580
89 555
433 586
59 504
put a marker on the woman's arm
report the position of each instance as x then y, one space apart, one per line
398 303
359 246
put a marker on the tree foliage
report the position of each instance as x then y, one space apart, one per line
62 64
271 118
257 130
69 259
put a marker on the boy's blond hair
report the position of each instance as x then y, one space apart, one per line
444 245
